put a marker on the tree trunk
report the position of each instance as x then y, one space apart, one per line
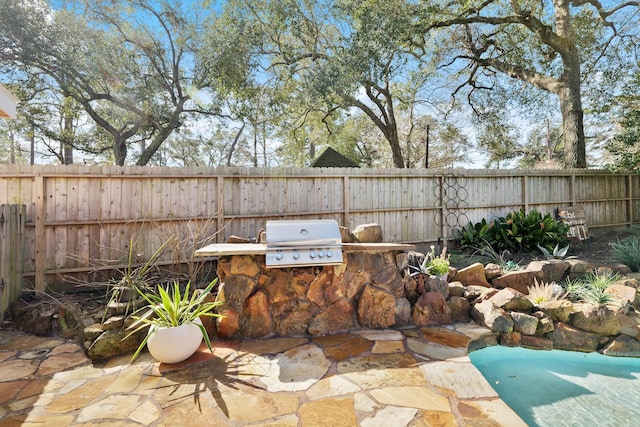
572 114
569 91
119 151
396 150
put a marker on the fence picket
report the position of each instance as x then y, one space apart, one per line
95 210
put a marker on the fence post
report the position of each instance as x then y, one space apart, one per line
11 255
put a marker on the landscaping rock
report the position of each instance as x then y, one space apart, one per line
524 323
290 318
460 309
577 268
244 265
511 300
403 311
113 322
492 317
478 293
228 326
410 288
402 262
491 271
545 324
552 270
431 309
473 275
598 319
92 332
438 284
115 342
557 310
629 325
518 280
255 321
623 346
340 316
346 235
456 289
510 339
626 294
536 342
368 233
377 308
565 337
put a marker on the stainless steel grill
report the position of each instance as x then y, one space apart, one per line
300 243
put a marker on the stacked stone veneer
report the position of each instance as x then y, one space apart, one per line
368 290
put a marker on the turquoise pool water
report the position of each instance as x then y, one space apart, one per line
562 388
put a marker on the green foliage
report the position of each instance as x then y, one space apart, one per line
627 252
557 253
624 147
170 307
592 289
486 251
436 265
517 232
478 235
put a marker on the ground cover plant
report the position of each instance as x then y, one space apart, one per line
592 289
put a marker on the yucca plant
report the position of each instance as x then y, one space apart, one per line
169 308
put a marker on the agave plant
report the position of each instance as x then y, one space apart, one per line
558 252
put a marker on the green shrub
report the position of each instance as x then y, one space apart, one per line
477 235
627 252
517 232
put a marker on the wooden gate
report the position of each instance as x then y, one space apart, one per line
12 219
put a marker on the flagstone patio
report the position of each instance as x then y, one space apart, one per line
408 377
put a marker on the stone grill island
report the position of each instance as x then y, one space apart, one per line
371 288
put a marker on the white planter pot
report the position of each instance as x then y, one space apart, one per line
173 345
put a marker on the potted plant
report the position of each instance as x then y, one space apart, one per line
434 265
173 318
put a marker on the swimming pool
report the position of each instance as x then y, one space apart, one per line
563 388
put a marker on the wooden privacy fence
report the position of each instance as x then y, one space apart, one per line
90 218
11 263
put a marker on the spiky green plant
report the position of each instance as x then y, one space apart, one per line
627 252
487 251
557 253
171 308
592 288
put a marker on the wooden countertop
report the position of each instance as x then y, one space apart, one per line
223 249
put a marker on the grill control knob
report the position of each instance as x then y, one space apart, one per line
321 254
296 255
329 254
312 255
278 257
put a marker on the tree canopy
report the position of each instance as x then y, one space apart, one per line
391 83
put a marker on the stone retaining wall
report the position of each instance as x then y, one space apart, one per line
368 290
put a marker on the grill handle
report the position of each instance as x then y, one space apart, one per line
325 242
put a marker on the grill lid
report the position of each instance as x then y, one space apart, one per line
287 233
299 243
